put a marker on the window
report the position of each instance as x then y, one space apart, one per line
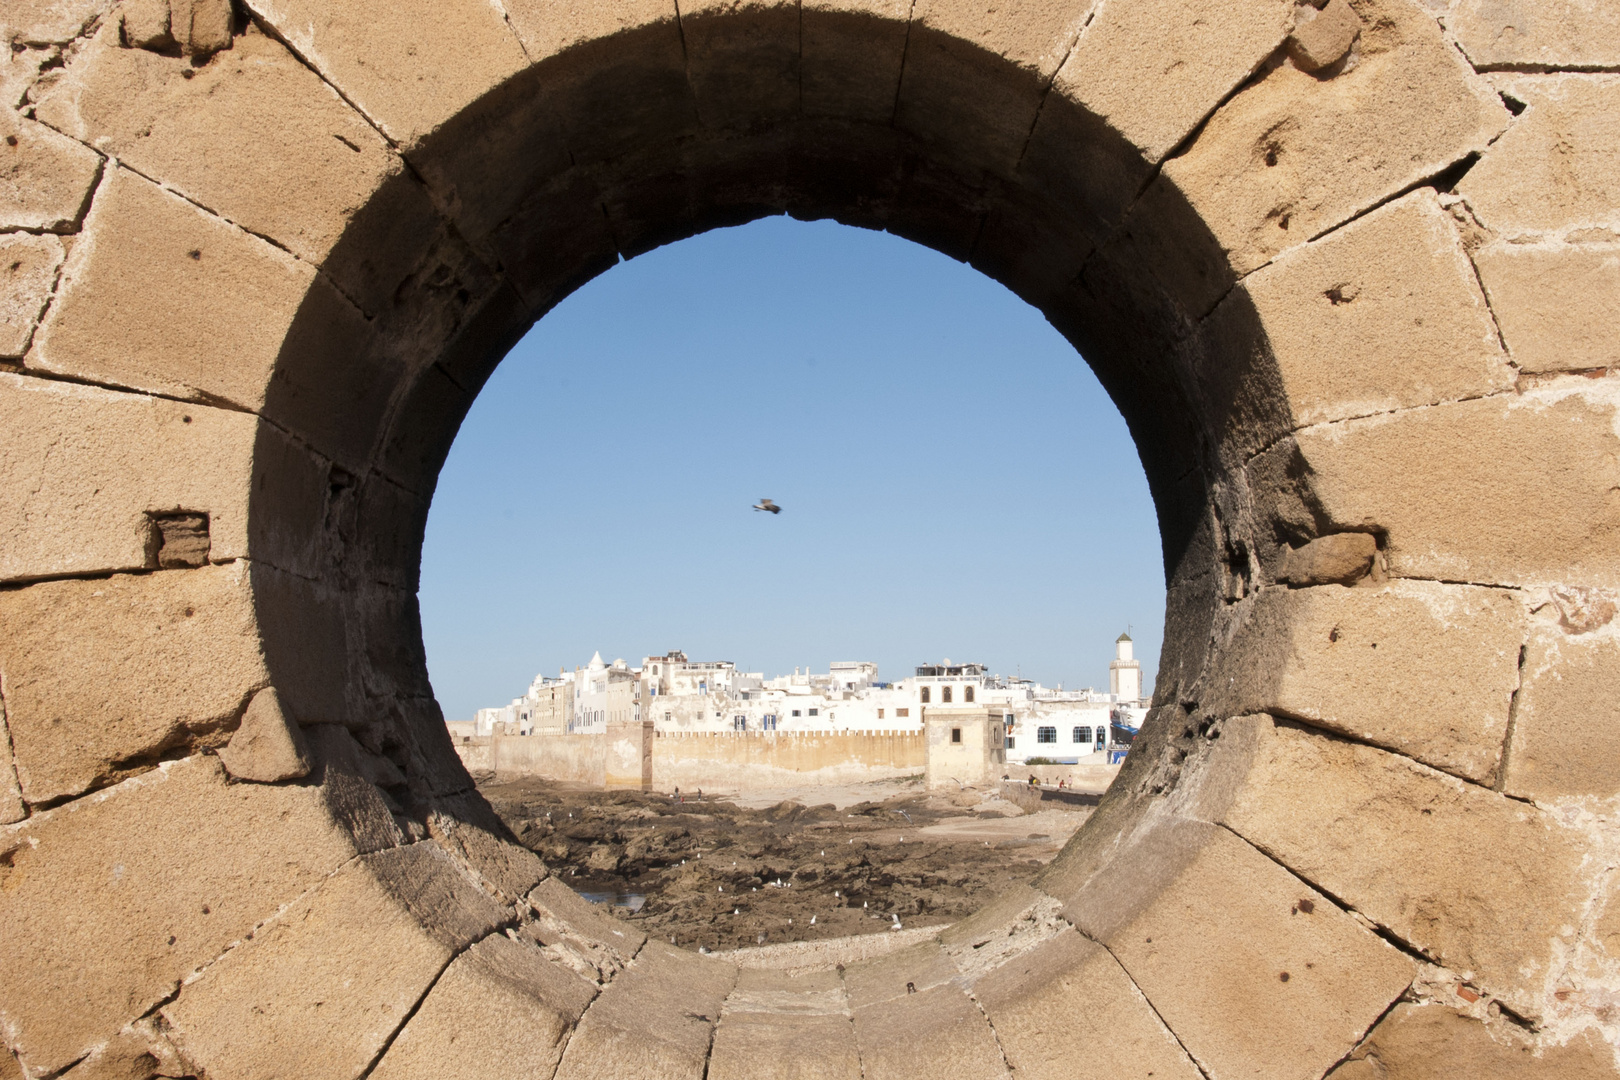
1046 735
1102 736
925 695
795 712
945 695
1009 742
900 712
967 694
880 714
1082 734
815 712
668 717
739 723
768 722
956 734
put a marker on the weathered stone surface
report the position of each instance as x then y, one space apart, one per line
1382 314
742 59
1531 33
782 1027
1066 1010
466 826
1257 973
138 1052
851 55
11 804
1323 37
909 971
1327 655
103 676
268 745
1556 304
574 928
1402 844
188 863
1552 171
1515 469
28 267
938 1032
410 65
1336 559
1566 719
45 177
1416 1042
655 1020
500 1010
314 967
47 22
254 136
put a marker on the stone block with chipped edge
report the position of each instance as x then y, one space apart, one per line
465 825
1380 315
1015 921
28 266
742 60
103 675
759 1045
1328 654
1488 886
655 1020
314 968
11 803
851 56
561 911
1066 1010
1322 38
909 971
268 745
140 1051
1255 971
1291 156
256 137
1557 304
189 863
937 1032
48 22
409 66
501 1011
86 468
158 295
1471 490
1335 559
1537 33
1566 718
1417 1042
1552 171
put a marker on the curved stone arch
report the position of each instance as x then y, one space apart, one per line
258 279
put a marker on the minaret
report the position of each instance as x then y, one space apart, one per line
1124 673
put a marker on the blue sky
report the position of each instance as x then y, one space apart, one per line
954 481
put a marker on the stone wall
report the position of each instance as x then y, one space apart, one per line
744 761
1350 273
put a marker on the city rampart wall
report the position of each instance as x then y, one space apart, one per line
727 761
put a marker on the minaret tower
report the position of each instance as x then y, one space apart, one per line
1124 672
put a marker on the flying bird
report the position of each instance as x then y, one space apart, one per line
767 506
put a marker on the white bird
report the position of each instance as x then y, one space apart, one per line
767 506
812 920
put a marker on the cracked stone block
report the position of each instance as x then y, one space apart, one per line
1487 886
45 177
1256 972
1528 33
179 540
27 274
1325 655
1553 169
563 915
104 676
1066 1010
139 1052
655 1019
502 1009
783 1027
190 864
466 826
851 58
11 804
1557 305
1323 37
207 25
744 64
268 746
1418 1042
908 971
314 967
1337 559
935 1032
1566 720
48 22
147 24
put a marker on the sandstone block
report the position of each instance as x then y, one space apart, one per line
48 22
1555 304
147 24
102 676
567 920
28 267
655 1020
160 296
796 1036
255 136
314 969
1551 172
268 745
1336 559
1415 1042
467 827
1535 33
743 59
409 66
188 862
1328 655
850 58
500 1010
203 26
1566 720
1256 972
1486 885
909 971
1382 314
11 804
1470 491
1291 155
45 177
1067 1011
937 1032
303 628
1323 38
